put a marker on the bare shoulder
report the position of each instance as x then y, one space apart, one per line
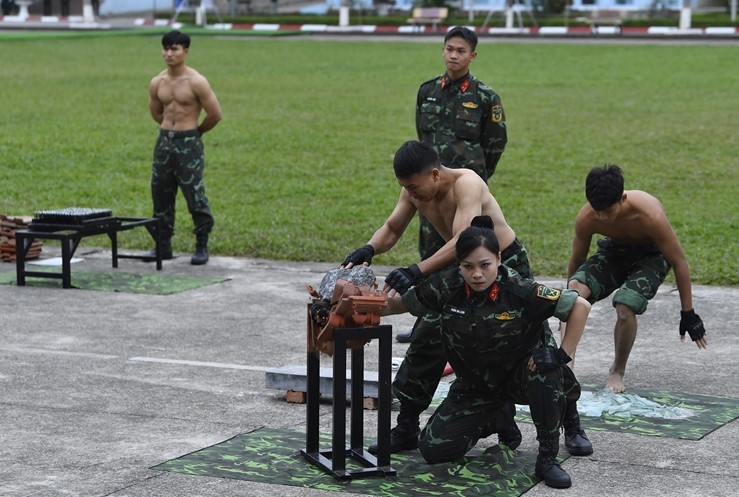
466 179
643 201
585 221
158 78
196 78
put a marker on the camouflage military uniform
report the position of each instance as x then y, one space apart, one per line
465 122
636 271
424 362
179 161
488 338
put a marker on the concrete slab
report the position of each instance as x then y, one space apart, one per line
99 387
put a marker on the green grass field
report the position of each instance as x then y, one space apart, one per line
301 166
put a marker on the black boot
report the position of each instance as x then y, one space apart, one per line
576 442
200 256
403 437
166 247
547 467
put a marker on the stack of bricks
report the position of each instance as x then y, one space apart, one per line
8 227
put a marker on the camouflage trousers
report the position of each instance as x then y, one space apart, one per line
424 362
464 416
179 162
636 271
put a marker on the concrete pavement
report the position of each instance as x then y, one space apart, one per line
98 387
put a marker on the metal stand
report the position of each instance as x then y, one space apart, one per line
334 461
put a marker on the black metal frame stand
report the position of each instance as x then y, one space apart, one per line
334 461
70 240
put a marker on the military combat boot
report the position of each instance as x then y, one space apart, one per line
403 437
547 467
166 247
576 442
200 256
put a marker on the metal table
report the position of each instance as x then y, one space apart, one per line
70 237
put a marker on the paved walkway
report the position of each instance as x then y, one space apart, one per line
98 387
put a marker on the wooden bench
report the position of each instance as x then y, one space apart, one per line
600 18
429 15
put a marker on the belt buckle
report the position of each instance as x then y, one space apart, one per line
170 134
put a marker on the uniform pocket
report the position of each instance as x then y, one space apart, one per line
430 117
467 124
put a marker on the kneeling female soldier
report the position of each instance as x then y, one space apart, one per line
493 324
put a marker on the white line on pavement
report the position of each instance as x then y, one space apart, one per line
198 363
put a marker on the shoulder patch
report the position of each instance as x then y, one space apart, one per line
544 292
496 113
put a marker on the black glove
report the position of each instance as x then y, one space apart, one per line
692 323
548 358
320 311
360 256
402 278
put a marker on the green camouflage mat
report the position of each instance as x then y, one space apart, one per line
643 412
154 283
273 456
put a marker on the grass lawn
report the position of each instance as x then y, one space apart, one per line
301 166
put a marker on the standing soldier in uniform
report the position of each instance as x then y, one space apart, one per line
177 96
463 119
493 335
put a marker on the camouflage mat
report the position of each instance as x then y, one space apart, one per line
642 412
154 283
273 456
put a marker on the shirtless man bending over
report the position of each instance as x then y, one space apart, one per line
638 249
177 96
449 199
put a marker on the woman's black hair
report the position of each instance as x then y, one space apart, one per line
479 234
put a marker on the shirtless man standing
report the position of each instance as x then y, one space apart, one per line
633 259
177 95
449 199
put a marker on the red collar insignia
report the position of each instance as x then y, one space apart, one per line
494 291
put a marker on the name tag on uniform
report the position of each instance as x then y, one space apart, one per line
455 311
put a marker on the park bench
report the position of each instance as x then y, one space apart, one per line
429 15
600 18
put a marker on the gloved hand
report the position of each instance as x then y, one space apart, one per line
692 323
548 358
320 311
360 256
402 278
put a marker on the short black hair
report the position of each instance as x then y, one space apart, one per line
175 38
462 32
414 157
479 234
604 186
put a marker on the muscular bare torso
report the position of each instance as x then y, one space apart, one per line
179 104
466 185
636 221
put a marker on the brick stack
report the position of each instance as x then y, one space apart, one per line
8 227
